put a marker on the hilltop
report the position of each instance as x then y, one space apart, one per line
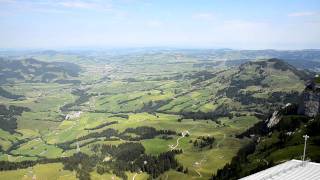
254 87
279 137
157 110
34 71
265 83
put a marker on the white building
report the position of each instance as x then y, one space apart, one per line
291 170
73 115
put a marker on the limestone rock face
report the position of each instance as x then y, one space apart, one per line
274 120
309 105
277 115
310 100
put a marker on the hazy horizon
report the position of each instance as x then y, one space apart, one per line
159 89
151 48
210 24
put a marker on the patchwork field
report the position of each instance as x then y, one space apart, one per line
166 104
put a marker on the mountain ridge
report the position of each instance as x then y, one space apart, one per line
277 139
32 70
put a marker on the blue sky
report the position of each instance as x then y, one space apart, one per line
239 24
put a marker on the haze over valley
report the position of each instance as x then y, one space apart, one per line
136 89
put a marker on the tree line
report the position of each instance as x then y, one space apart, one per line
232 171
124 157
204 141
142 132
9 95
102 125
131 157
83 97
8 120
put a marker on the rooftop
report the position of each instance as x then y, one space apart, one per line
293 170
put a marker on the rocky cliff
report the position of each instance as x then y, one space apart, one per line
275 118
309 104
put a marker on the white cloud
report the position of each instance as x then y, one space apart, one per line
97 5
78 4
302 14
7 1
55 5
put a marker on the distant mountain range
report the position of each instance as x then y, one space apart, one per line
302 59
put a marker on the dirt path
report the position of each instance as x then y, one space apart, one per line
167 177
218 144
184 133
172 148
43 152
197 172
264 160
198 165
134 176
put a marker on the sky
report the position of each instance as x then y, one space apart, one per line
237 24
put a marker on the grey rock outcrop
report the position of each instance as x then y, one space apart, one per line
310 100
277 115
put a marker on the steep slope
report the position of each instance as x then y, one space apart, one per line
253 88
278 139
310 99
269 83
9 95
31 70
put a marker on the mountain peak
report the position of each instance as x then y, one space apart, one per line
274 64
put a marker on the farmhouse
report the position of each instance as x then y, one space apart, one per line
73 115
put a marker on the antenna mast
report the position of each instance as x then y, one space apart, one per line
305 147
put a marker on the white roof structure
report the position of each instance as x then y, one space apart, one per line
292 170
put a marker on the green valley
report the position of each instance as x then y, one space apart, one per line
148 115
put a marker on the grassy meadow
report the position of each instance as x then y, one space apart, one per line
134 92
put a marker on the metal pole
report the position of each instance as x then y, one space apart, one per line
305 147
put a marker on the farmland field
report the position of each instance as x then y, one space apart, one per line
164 102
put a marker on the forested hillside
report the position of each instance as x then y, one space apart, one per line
276 140
31 70
175 118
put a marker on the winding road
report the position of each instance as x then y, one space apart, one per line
197 172
184 133
134 176
172 148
